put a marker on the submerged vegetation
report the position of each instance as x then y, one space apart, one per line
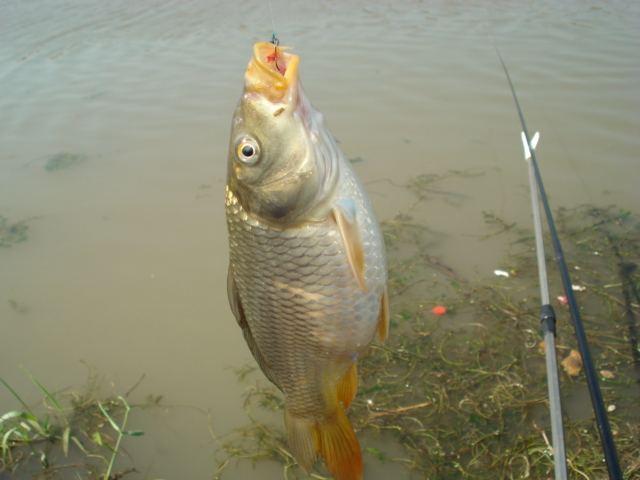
463 395
67 433
63 160
12 233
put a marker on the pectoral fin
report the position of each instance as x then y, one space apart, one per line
383 316
238 312
344 215
234 298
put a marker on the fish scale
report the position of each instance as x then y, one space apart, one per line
300 298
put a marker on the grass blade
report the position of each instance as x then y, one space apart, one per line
114 425
10 415
65 441
46 392
15 394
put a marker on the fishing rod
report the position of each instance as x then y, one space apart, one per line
547 316
548 324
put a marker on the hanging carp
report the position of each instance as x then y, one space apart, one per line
307 272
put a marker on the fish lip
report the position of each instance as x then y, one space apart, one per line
263 76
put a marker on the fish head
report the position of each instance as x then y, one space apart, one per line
273 165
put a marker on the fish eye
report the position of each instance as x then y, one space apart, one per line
248 150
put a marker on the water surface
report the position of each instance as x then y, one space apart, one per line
125 264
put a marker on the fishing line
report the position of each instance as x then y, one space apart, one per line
274 38
604 429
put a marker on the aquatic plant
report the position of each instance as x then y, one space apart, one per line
463 395
73 432
18 307
63 160
12 233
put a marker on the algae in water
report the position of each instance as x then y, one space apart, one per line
12 233
64 160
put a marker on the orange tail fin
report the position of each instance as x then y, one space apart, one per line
338 445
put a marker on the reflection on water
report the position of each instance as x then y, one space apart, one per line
124 261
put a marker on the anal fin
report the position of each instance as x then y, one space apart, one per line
348 386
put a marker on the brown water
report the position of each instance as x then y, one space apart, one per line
125 264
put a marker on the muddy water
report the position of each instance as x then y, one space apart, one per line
125 264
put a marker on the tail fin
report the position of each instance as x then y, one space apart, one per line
338 445
334 439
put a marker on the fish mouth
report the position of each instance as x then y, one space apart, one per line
272 72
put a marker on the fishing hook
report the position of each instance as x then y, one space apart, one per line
276 42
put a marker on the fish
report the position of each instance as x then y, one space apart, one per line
307 278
